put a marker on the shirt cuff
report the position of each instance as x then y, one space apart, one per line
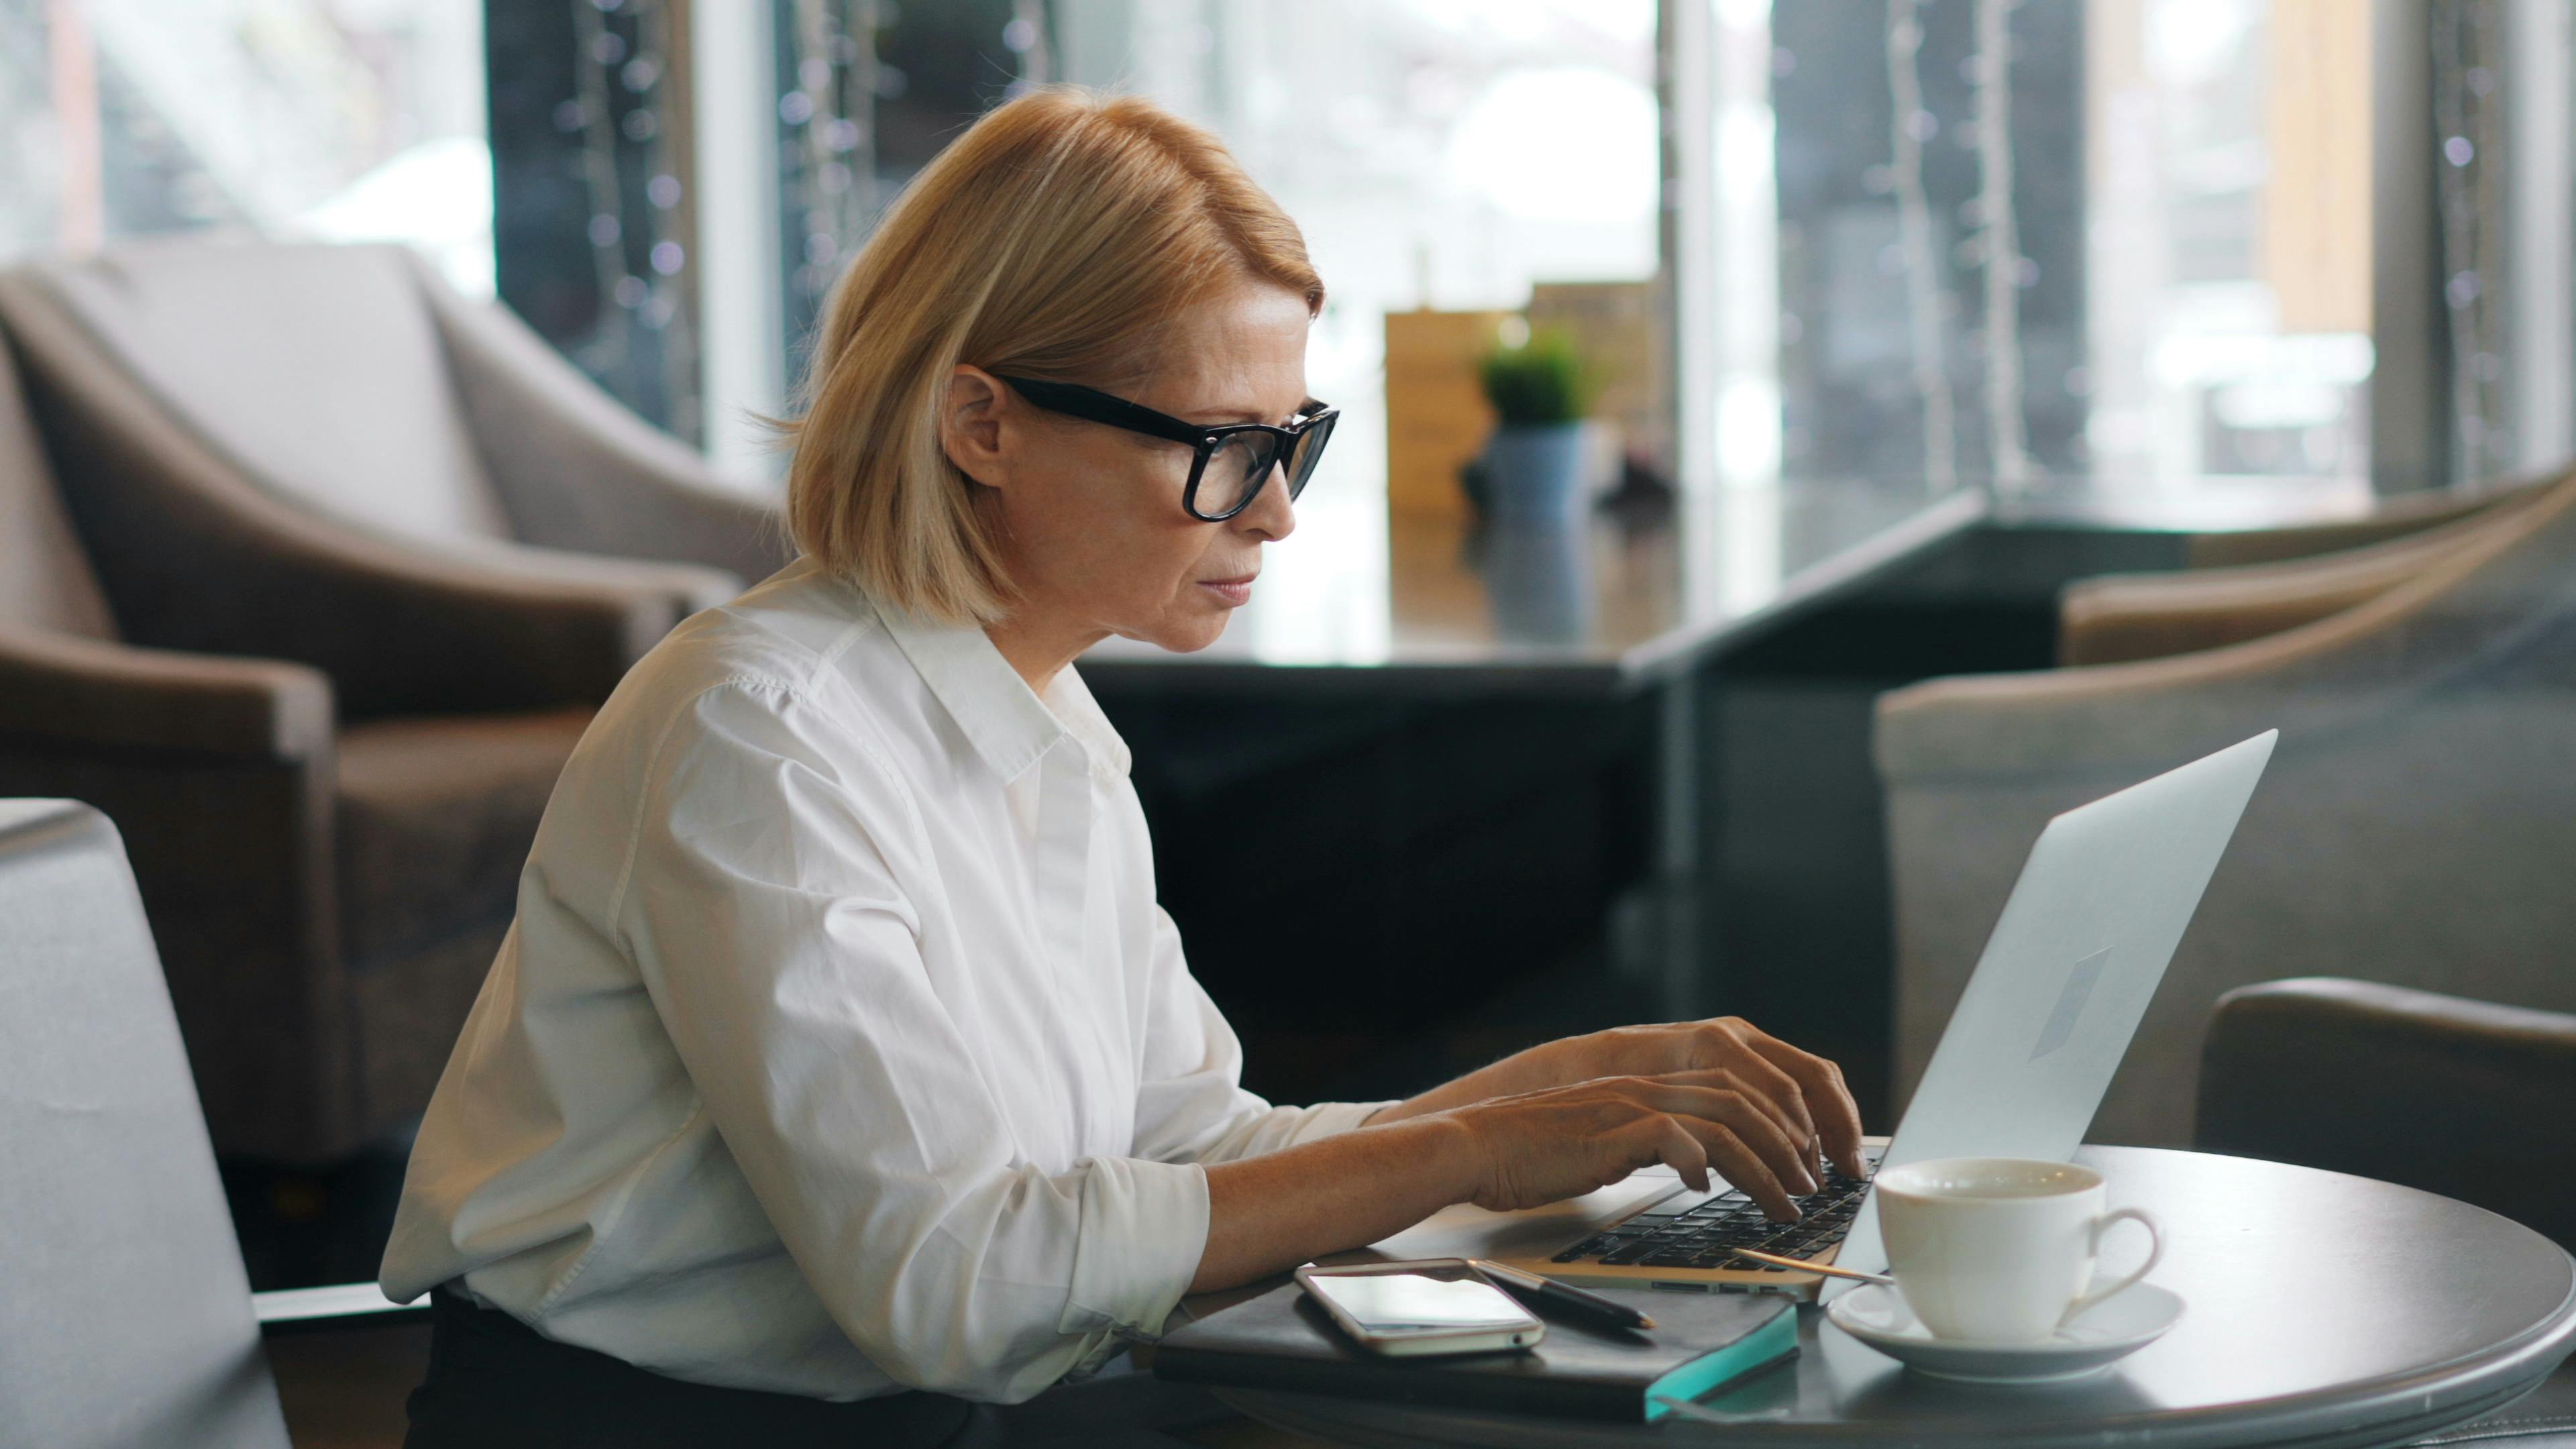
1144 1229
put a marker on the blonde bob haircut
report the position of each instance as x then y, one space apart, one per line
1052 240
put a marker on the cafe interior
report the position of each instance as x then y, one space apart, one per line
1789 452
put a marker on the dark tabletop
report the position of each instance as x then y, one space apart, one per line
2322 1310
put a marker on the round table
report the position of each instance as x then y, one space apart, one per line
2323 1310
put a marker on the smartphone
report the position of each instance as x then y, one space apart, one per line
1438 1305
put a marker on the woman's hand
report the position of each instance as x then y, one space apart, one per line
1543 1146
1807 1090
1283 1208
1509 1137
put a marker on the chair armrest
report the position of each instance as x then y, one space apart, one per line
2440 1092
2121 617
338 1306
96 693
2400 517
576 469
196 555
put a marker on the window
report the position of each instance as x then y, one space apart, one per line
2136 242
1437 153
334 120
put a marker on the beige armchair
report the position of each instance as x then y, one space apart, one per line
2416 826
326 751
350 381
2120 617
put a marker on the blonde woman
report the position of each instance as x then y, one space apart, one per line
840 1077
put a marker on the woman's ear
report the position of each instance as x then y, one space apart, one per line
970 425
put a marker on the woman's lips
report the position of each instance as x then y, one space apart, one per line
1236 592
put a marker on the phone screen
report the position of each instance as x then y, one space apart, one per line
1414 1303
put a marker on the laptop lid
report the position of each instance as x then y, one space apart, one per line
2067 974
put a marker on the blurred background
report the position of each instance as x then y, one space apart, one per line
2164 240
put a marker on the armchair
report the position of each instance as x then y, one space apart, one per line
2460 1097
2415 826
2455 1096
128 1318
328 751
2120 617
2401 516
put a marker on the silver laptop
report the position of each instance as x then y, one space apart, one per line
2029 1051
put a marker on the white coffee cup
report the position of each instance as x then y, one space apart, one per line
1999 1249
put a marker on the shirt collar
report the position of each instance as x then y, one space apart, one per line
1069 699
1007 723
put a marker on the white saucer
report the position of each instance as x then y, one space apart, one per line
2087 1344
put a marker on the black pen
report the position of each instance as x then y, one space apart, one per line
1532 1288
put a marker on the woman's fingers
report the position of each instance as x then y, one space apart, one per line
1782 1156
1732 1042
1724 1079
1782 1106
1678 1148
1741 1165
1769 1078
1837 1117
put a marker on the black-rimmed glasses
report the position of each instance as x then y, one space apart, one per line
1229 461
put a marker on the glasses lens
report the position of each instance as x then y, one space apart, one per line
1235 471
1310 451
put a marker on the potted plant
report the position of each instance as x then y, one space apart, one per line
1534 465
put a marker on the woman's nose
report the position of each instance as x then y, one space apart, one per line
1271 514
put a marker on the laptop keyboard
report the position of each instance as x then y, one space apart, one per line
1707 1234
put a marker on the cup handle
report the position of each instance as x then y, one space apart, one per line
2155 1253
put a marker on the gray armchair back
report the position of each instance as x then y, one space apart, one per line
354 382
126 1318
2416 826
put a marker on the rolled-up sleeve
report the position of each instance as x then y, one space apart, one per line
764 907
1191 1106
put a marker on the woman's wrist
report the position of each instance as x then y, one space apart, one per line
1444 1143
1452 1154
1593 1054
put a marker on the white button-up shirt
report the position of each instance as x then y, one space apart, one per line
839 1044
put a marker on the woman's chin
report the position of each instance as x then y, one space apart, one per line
1185 636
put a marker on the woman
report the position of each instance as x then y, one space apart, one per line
840 1071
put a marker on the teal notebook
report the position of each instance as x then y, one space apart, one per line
1700 1343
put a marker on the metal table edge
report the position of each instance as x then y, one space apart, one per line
2453 1392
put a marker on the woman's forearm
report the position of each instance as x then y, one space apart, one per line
1270 1213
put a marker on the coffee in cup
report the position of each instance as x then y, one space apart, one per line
1999 1249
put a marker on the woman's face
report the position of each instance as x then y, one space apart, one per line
1091 523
